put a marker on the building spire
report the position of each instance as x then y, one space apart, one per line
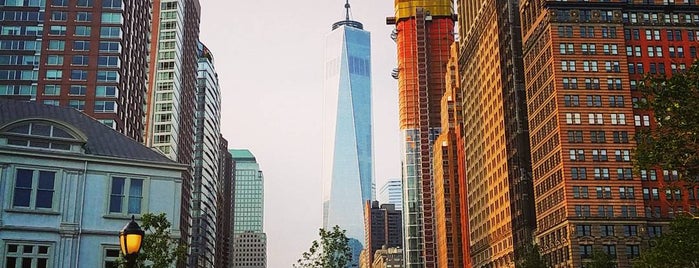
347 10
348 22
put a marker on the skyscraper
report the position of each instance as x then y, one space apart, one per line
249 238
496 135
383 227
424 30
347 171
89 55
207 157
172 90
446 173
392 193
224 208
583 117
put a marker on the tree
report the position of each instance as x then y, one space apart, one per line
158 249
532 258
675 249
601 259
332 251
674 143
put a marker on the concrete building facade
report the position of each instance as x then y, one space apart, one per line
70 183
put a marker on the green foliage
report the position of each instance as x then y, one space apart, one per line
675 249
532 258
332 251
601 260
674 143
158 249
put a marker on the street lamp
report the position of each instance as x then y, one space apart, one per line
130 240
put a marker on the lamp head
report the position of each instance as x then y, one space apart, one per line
130 238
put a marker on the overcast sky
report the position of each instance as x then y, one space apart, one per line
269 58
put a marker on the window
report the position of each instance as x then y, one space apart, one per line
111 18
79 75
24 254
585 251
106 46
106 91
597 136
59 3
84 3
607 230
601 173
105 107
54 74
83 16
110 32
568 66
81 45
59 16
571 100
77 104
126 195
575 136
622 155
34 188
604 192
110 257
108 61
655 193
605 211
582 210
599 155
628 211
80 60
82 30
108 76
577 155
57 30
78 90
624 174
52 90
632 251
583 230
610 250
54 60
578 173
580 192
566 48
57 45
111 4
655 231
595 119
626 192
573 118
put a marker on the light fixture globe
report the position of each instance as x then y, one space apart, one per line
130 238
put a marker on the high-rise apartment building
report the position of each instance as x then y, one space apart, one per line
169 124
583 64
498 170
347 173
424 30
224 208
392 193
383 227
207 157
249 239
446 172
89 55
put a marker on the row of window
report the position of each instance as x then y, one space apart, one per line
590 66
587 31
670 194
588 49
60 30
598 136
106 17
593 83
36 189
646 17
600 155
81 90
88 3
84 45
37 16
627 211
600 173
657 51
82 75
593 101
595 119
603 192
25 254
100 106
609 230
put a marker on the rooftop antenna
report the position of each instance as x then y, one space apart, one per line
348 22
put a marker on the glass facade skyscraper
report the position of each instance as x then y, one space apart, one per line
347 139
249 239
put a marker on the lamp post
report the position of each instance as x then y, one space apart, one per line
130 239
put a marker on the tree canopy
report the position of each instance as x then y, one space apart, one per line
159 249
675 249
332 251
673 143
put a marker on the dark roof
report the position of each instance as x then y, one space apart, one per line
101 139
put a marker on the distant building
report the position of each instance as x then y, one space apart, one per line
347 172
383 227
207 157
388 258
89 55
68 185
249 238
392 193
224 208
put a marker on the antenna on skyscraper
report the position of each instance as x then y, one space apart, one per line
347 10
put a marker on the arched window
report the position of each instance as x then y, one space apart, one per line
42 134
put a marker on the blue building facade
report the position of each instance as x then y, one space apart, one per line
347 172
68 184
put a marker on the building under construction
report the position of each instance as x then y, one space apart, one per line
424 31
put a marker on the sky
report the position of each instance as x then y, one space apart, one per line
269 59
